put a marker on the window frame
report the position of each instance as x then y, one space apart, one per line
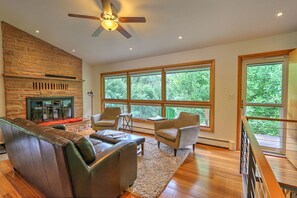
164 102
282 105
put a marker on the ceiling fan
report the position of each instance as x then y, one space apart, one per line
110 21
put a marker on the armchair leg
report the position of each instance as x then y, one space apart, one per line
158 144
194 147
175 152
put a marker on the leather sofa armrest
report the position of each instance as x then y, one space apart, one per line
115 167
106 174
111 151
164 124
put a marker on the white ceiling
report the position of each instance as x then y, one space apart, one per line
202 23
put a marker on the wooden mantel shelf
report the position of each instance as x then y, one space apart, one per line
39 77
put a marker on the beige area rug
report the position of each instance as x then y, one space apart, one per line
3 157
156 168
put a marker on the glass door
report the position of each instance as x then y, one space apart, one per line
264 94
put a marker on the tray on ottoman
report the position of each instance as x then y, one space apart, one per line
113 137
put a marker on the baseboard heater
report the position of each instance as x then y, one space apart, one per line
59 76
217 142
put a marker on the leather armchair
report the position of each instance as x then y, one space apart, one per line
109 119
178 133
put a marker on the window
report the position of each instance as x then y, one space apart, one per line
146 86
124 107
115 87
145 111
163 91
188 85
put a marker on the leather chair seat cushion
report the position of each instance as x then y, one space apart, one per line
105 123
169 134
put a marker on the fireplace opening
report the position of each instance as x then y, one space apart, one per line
44 109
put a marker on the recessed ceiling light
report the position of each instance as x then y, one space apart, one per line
37 31
73 50
130 48
279 14
180 37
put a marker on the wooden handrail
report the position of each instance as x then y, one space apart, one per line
267 175
269 119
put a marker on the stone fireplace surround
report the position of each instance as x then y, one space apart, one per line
35 68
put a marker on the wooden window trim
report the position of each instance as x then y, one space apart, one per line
163 102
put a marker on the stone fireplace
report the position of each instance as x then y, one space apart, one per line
35 69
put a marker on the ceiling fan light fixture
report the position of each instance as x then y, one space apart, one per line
109 25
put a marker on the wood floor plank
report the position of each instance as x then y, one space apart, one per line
15 184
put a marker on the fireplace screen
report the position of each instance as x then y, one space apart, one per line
49 109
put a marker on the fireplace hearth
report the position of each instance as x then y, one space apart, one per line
44 109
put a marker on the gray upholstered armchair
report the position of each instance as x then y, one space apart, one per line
178 133
109 119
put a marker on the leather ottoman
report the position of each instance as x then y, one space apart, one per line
113 137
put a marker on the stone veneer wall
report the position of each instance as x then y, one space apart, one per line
26 60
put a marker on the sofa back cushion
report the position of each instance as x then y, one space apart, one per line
83 145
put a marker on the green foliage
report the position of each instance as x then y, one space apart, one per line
141 111
122 106
116 88
264 83
188 86
146 87
264 86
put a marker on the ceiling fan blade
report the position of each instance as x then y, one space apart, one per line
123 32
106 7
98 31
84 16
132 19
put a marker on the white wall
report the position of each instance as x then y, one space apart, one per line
87 75
226 63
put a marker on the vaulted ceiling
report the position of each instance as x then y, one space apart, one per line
201 23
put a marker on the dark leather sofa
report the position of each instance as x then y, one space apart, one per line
66 164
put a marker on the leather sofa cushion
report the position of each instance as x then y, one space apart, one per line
83 145
99 145
169 134
105 123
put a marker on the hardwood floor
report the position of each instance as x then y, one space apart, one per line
210 172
